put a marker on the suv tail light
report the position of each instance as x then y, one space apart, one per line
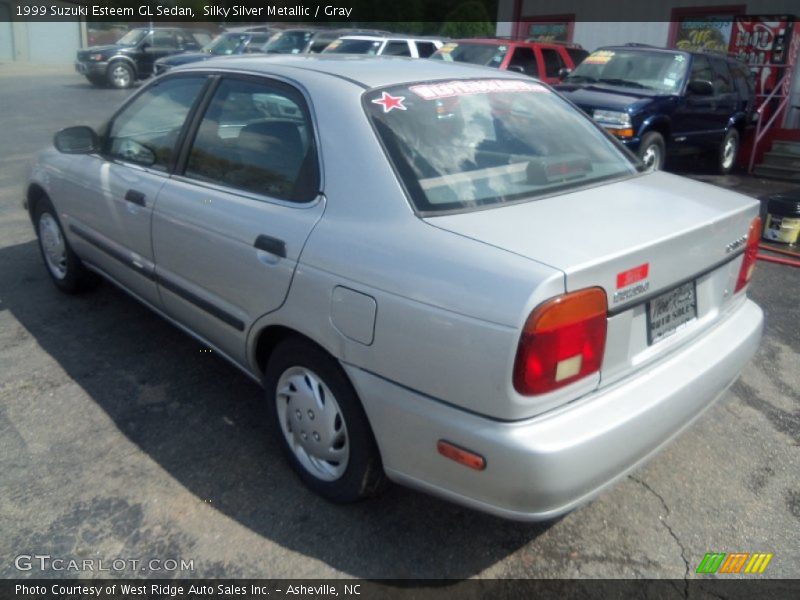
563 340
750 251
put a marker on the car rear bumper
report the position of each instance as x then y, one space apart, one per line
542 467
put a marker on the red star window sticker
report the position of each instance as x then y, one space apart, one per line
390 102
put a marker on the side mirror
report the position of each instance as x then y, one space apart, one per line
77 140
563 72
701 87
516 69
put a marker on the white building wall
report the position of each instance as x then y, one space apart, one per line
593 34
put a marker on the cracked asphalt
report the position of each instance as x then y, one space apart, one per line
119 438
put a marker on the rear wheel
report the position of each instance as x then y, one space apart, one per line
63 265
320 423
728 151
120 75
652 151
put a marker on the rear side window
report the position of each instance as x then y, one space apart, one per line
553 62
146 131
524 58
722 76
425 49
256 137
396 48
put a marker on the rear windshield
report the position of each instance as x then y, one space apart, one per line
465 144
488 55
354 47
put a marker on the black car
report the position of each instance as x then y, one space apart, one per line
225 44
658 101
135 53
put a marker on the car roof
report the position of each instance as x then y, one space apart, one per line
510 42
363 71
389 36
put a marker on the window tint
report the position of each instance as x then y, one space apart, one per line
256 137
463 144
163 39
146 131
396 49
425 49
552 62
525 58
577 55
722 76
701 69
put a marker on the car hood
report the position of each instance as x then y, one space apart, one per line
609 98
678 226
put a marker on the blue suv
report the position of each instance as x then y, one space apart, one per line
658 101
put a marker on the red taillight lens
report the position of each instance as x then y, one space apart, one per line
750 251
563 340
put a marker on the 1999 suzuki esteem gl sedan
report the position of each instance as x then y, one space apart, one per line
443 275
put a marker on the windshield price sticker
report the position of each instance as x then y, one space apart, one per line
435 91
600 57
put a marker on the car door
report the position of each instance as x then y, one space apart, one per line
229 226
109 196
160 43
694 120
726 97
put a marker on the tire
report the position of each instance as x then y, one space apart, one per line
652 151
728 150
322 428
63 265
120 75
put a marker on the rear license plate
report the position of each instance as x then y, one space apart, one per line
671 311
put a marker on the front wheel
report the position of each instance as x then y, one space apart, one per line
320 423
63 265
728 151
120 75
652 151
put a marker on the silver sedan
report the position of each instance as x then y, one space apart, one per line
443 276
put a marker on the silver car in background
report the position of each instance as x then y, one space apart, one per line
443 275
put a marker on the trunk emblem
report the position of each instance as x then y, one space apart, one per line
736 244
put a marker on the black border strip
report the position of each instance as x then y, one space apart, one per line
176 289
647 297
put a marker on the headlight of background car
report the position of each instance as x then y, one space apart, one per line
617 123
96 57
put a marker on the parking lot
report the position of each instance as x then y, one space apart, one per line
120 437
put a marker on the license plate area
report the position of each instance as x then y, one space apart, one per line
671 312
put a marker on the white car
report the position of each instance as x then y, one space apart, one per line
374 45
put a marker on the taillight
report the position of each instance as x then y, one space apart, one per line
750 251
563 340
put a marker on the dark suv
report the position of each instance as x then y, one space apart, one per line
544 60
135 53
658 101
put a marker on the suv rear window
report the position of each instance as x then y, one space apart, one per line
354 47
488 55
465 144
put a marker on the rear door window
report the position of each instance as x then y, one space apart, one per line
425 49
256 137
553 62
396 48
524 58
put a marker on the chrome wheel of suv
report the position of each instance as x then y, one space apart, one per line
652 151
120 75
728 151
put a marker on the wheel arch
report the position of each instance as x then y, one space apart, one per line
127 60
34 194
660 125
267 339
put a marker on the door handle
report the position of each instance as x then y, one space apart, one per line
135 197
270 244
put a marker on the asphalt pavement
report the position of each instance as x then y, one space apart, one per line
121 439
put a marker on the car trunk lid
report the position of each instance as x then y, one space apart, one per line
638 239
